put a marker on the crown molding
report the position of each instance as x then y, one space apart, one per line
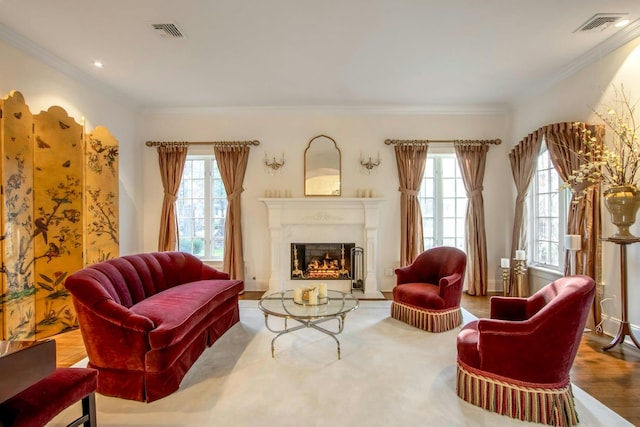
617 40
336 110
38 52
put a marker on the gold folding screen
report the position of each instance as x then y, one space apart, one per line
59 213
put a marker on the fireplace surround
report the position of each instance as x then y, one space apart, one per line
323 220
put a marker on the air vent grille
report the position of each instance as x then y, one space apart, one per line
600 22
168 31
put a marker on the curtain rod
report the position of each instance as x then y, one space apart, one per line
440 141
168 143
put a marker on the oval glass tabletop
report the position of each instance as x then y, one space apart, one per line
281 304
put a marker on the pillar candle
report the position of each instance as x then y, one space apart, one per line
297 295
520 255
322 290
313 297
504 262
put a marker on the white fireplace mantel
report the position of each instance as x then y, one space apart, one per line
322 220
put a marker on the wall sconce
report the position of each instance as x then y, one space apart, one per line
273 165
369 165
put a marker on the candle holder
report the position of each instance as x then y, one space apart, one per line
506 273
519 269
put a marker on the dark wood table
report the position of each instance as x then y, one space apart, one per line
24 363
624 329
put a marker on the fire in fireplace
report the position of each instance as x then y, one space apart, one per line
327 261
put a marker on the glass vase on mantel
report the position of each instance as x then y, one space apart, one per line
622 202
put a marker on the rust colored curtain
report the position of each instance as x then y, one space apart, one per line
563 141
171 159
411 160
472 160
232 162
523 159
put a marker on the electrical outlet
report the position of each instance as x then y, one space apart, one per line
388 272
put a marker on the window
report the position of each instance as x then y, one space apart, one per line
202 208
443 201
549 207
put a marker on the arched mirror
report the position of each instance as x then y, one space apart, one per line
322 167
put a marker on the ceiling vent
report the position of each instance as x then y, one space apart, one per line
600 22
167 31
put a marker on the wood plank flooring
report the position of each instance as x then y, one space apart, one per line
612 377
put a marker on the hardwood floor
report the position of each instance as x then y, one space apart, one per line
612 377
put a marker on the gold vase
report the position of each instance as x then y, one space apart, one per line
622 202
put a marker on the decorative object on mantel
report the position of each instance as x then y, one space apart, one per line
615 165
273 165
277 194
364 192
370 165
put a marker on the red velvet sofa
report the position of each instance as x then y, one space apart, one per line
146 318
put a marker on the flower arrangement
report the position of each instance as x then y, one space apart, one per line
615 164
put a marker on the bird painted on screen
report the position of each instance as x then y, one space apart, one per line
41 228
54 251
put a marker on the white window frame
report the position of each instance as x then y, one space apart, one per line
534 200
213 245
435 195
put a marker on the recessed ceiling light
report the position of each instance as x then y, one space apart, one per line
622 23
98 64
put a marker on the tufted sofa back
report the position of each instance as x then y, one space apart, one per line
132 278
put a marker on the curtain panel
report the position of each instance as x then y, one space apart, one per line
171 159
232 162
410 160
564 140
523 159
472 161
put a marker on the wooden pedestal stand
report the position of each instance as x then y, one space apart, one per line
624 323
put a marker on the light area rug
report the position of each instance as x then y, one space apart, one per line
390 374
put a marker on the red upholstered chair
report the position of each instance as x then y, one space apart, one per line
41 402
428 292
517 362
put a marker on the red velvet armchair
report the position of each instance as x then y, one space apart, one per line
517 362
428 292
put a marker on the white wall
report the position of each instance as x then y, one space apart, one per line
355 134
42 87
574 99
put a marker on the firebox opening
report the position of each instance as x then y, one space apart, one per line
326 261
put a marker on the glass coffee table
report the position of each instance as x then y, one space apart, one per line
281 304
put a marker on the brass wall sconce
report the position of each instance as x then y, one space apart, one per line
369 165
273 165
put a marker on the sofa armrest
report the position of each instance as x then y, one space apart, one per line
118 315
114 336
209 272
508 308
